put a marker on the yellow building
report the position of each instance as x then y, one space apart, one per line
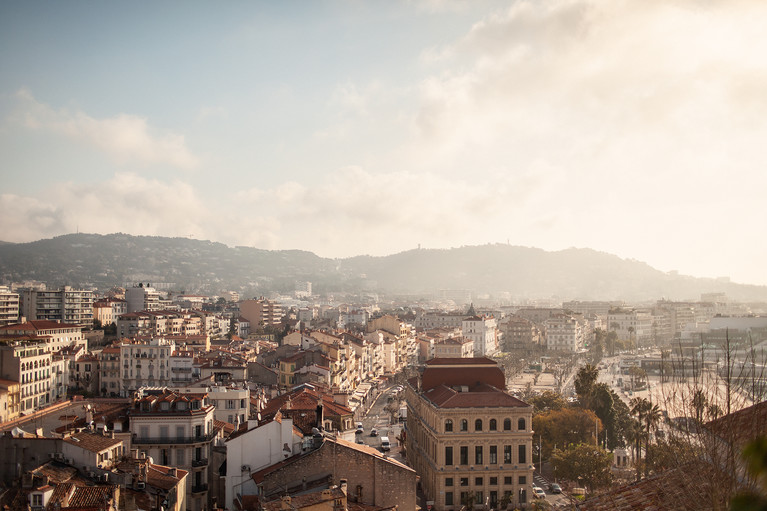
467 438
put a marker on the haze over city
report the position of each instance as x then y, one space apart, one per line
348 128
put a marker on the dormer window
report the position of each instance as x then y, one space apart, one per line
164 406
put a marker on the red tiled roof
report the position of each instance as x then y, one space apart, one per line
482 396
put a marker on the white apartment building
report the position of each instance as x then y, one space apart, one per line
182 370
66 305
262 445
142 298
483 332
177 430
231 402
563 333
631 324
9 306
145 364
109 371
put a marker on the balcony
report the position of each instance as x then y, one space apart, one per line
175 440
199 488
202 462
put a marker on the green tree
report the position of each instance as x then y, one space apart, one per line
569 426
755 456
584 383
585 462
648 416
546 401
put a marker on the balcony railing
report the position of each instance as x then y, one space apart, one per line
175 439
200 463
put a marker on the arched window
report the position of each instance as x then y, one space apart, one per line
464 425
521 425
507 424
478 425
493 425
448 425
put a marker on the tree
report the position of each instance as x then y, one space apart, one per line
586 462
648 416
584 383
569 426
546 401
755 456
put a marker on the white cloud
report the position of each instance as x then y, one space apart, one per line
128 138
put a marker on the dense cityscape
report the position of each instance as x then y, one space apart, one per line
139 398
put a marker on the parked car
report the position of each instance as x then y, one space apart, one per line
538 493
555 488
374 432
360 429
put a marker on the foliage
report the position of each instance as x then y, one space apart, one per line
648 418
584 383
584 462
755 456
546 401
668 453
565 427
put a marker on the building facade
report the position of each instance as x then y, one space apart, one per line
467 437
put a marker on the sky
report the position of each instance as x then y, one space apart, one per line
352 127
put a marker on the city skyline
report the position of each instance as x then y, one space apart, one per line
348 128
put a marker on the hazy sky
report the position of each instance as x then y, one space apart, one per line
637 128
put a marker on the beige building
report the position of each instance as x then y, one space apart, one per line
177 430
467 436
29 363
261 312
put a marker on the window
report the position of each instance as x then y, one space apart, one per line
478 455
464 455
493 455
493 425
507 454
448 481
478 481
143 432
449 498
37 499
478 425
180 458
164 435
493 498
523 454
464 425
493 481
507 424
464 481
521 425
448 426
507 481
448 455
479 498
522 480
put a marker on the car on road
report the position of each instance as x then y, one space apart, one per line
555 488
360 429
374 432
538 493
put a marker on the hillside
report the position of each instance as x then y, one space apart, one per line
206 267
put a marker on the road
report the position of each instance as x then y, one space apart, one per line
379 419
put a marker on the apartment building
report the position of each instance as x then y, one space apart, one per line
109 371
636 325
454 347
10 400
65 305
430 320
142 298
467 436
145 364
178 430
519 333
107 311
563 333
483 331
9 306
54 334
261 312
28 362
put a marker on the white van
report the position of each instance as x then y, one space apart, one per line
385 445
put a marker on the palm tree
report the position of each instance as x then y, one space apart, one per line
649 416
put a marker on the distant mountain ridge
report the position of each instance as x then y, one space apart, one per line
195 266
